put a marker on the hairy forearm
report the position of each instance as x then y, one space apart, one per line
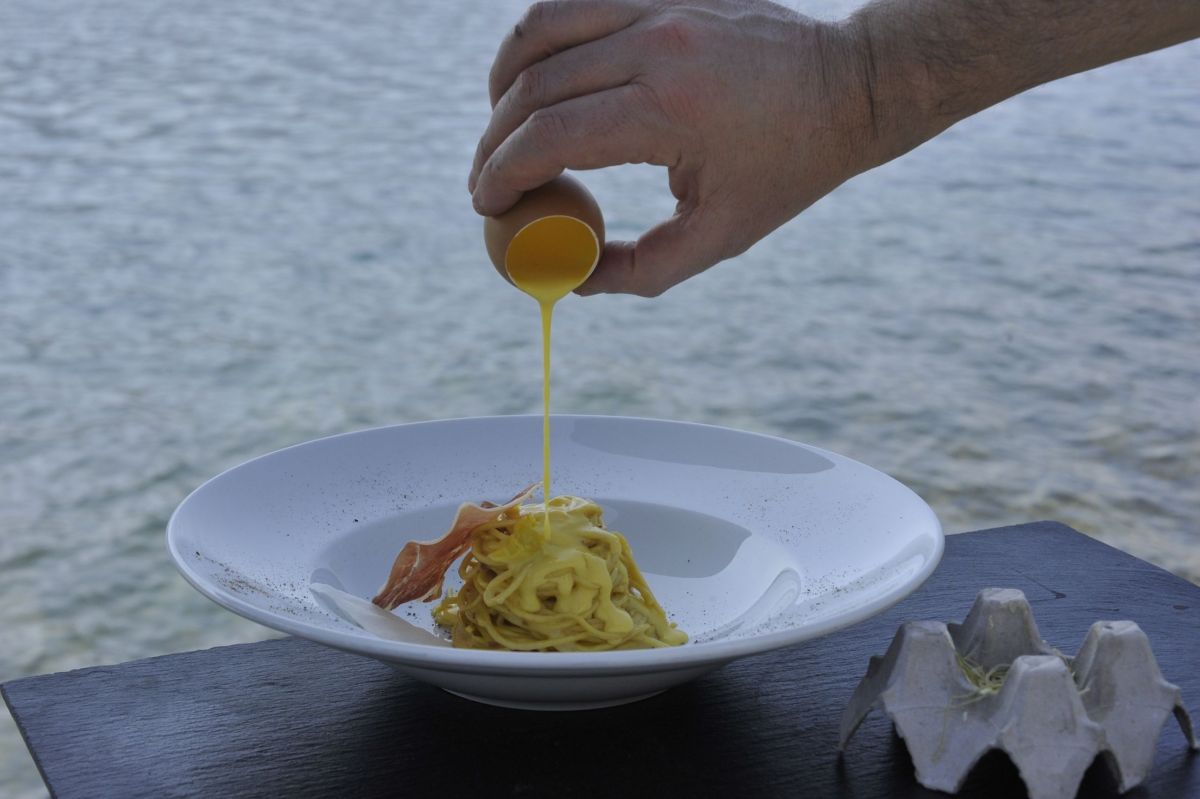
931 63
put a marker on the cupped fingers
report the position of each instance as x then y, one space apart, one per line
615 126
579 71
552 26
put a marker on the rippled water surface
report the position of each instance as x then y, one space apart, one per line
228 227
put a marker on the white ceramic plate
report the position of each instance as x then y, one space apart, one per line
750 542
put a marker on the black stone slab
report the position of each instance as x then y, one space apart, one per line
292 719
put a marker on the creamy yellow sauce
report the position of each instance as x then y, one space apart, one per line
549 576
543 576
548 259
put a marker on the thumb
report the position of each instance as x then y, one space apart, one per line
667 254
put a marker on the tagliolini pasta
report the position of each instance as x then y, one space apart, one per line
535 578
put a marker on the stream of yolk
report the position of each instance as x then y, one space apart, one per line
548 259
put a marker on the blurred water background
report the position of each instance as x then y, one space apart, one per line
228 227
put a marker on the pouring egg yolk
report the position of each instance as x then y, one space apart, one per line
551 257
547 245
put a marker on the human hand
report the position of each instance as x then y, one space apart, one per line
757 112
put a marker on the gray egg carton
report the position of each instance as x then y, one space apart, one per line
957 691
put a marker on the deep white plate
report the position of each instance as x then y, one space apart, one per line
750 542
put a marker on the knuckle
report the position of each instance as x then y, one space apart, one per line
534 23
536 17
672 34
529 88
547 129
652 96
494 85
677 100
488 177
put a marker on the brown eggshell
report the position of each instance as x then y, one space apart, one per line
563 196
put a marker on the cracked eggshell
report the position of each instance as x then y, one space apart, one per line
563 196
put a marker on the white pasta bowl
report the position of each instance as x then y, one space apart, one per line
750 542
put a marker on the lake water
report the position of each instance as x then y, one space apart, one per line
228 227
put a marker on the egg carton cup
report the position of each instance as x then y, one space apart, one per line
957 691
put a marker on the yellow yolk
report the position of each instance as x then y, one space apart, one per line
548 259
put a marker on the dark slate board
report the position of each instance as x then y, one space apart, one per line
290 718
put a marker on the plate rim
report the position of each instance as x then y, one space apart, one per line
471 661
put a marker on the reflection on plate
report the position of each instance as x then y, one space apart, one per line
750 542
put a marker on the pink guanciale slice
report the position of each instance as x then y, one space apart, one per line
421 566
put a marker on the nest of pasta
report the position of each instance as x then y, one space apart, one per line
535 577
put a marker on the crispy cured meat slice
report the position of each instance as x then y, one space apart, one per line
419 569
